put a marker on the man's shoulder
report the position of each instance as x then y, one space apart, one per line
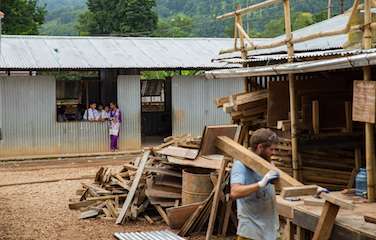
239 166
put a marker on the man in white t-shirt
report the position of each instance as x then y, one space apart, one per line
91 114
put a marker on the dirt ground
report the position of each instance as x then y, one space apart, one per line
40 210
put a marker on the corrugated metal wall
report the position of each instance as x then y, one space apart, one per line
29 121
193 104
129 101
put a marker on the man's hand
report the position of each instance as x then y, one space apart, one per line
268 178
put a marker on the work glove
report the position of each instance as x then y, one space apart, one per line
321 190
268 178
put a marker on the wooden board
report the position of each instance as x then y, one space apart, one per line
163 202
364 101
337 201
210 134
217 193
158 191
326 221
254 161
371 218
136 181
278 102
179 152
178 215
200 161
298 191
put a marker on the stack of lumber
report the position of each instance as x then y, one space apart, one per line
282 157
247 109
330 168
149 188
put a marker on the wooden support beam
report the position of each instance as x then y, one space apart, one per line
254 161
315 117
298 191
326 222
136 181
348 114
251 8
217 193
370 140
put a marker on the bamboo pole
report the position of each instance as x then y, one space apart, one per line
245 35
345 30
251 8
291 77
370 141
329 9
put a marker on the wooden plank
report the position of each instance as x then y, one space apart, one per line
158 191
162 213
163 202
163 171
298 191
313 201
179 152
346 204
89 201
134 186
89 214
228 209
210 134
168 181
315 117
254 161
218 190
178 215
326 221
364 101
200 161
371 218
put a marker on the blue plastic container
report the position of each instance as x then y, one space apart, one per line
361 183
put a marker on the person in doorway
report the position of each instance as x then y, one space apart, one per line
255 196
91 114
115 121
103 114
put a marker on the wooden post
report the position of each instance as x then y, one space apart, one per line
291 77
243 50
370 141
315 117
348 114
329 9
326 222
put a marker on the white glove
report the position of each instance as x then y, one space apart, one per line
268 178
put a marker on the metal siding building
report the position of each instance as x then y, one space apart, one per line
28 122
193 104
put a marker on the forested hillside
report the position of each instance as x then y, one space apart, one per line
196 18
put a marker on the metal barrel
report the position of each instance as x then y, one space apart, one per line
196 185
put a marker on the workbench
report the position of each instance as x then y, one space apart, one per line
349 224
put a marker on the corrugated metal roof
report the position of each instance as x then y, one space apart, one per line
47 52
153 235
297 56
324 43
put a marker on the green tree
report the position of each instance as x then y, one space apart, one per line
130 17
22 17
179 25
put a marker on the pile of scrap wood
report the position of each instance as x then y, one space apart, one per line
149 188
247 109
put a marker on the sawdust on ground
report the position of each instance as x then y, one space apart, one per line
40 211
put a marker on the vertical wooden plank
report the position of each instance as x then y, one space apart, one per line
136 181
213 212
348 114
227 215
326 222
315 117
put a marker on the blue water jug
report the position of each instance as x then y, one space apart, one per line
361 183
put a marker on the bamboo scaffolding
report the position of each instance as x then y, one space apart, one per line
251 8
370 141
291 77
279 43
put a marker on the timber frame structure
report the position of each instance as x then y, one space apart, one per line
246 44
